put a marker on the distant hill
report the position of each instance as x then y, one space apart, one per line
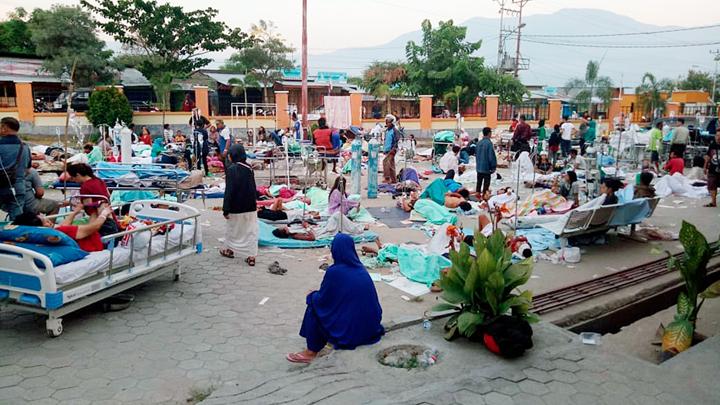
554 65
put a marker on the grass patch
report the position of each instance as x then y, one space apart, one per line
199 394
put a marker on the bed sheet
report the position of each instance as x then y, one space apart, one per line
266 238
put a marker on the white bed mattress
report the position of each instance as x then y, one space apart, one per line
97 261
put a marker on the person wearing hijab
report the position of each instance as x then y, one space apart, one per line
338 198
240 208
345 311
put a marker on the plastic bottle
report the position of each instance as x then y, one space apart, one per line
426 324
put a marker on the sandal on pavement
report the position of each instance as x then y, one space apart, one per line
299 357
250 261
710 205
227 253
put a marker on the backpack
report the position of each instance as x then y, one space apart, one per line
9 175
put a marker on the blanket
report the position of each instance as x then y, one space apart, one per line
680 185
266 238
434 213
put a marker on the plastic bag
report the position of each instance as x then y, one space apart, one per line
571 254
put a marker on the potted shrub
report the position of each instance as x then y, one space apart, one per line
678 335
485 291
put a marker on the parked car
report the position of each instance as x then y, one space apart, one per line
142 106
80 100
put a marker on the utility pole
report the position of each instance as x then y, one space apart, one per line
304 89
501 40
717 59
521 4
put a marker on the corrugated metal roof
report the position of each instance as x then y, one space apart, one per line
224 78
133 78
31 79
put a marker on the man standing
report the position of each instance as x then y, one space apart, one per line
521 136
680 138
654 145
224 132
14 160
390 149
297 127
567 131
486 161
712 168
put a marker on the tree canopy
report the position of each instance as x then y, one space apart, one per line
106 106
385 80
15 35
650 94
592 85
265 59
174 40
65 36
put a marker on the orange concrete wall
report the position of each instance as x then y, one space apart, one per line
614 109
672 108
356 108
202 101
425 112
24 101
690 96
491 110
282 108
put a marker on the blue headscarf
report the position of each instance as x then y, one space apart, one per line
347 305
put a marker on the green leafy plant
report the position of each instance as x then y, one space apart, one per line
484 287
106 106
692 266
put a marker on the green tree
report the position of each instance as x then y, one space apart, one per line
65 35
241 86
652 94
442 61
385 80
508 88
592 85
265 59
174 40
698 80
14 34
455 95
106 106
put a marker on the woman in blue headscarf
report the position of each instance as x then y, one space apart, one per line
345 311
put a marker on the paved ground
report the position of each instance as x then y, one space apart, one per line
210 331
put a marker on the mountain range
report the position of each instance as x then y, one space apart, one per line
553 64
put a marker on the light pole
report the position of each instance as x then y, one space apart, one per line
304 88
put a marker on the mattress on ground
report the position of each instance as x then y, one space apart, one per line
98 261
266 238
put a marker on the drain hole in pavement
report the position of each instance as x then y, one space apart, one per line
408 356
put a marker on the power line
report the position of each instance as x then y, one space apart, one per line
623 46
703 27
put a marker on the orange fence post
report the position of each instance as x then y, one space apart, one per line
554 112
201 100
491 110
426 114
282 117
24 101
356 117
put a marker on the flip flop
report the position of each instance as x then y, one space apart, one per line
250 261
710 205
299 358
227 253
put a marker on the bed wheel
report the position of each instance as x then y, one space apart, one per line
54 327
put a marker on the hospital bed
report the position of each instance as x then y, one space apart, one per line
30 282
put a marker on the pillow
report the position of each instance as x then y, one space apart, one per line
58 255
17 234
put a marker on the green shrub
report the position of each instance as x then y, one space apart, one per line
108 105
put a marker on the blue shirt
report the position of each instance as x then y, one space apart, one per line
335 140
390 140
486 161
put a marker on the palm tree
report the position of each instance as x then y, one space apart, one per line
163 85
384 80
591 85
240 86
651 95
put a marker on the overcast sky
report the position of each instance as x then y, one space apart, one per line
336 24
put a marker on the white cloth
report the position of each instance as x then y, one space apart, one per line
337 111
339 223
241 234
225 133
566 130
168 135
680 185
449 161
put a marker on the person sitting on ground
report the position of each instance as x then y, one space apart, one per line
544 166
675 164
449 161
644 189
575 161
35 200
345 311
610 187
338 198
87 235
570 188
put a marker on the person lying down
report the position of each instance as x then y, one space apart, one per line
278 212
337 223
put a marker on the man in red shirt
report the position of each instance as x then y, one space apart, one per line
86 235
322 137
675 164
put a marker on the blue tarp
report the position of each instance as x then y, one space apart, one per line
113 171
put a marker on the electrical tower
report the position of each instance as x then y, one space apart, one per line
511 9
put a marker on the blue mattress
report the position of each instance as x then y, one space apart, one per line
266 238
111 171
